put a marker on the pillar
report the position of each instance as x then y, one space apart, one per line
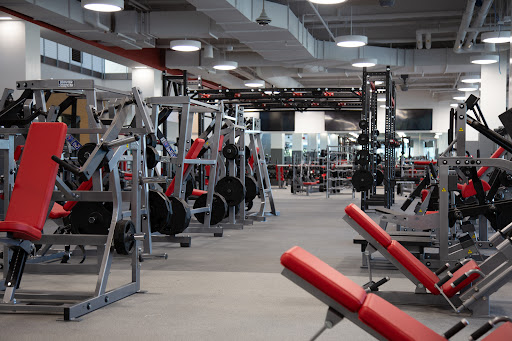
277 148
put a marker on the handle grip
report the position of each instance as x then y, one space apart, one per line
442 269
444 280
481 331
456 328
64 164
375 286
456 267
459 280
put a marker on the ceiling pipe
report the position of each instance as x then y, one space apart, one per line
322 21
464 25
478 22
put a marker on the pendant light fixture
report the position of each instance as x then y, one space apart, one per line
484 59
327 2
185 45
225 65
103 5
364 62
496 37
351 40
254 83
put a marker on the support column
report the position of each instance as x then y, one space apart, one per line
277 148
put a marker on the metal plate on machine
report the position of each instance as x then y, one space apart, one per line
66 84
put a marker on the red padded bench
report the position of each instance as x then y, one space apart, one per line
406 262
35 181
192 153
345 298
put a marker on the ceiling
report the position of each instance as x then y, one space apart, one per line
297 48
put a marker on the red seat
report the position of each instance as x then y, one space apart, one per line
58 212
447 288
370 226
414 266
35 181
468 190
392 323
192 153
503 333
324 278
198 192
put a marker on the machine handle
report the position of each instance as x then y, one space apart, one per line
375 286
456 328
456 267
481 331
64 164
444 279
442 269
459 280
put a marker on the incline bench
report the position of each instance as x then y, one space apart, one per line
370 312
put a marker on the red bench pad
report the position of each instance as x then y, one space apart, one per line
192 153
58 212
503 333
324 278
392 323
367 223
447 288
35 181
198 192
414 266
468 190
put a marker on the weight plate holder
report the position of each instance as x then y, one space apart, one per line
362 180
230 151
124 240
251 188
231 189
218 211
160 211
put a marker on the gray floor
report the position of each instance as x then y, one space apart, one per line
230 288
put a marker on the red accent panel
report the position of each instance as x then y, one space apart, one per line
192 153
221 142
368 224
414 266
324 278
424 193
495 155
84 186
307 183
468 190
17 152
58 212
447 288
198 192
392 323
424 163
503 333
35 181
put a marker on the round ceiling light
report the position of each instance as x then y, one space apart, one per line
484 59
185 45
467 88
471 79
103 5
254 83
327 2
364 62
226 65
454 105
351 41
496 37
459 98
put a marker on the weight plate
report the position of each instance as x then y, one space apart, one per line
123 237
219 208
363 124
90 218
231 189
362 180
251 188
363 139
152 157
379 177
230 151
181 216
84 152
247 153
362 157
376 132
248 205
160 211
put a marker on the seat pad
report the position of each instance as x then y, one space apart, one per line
192 153
393 323
58 212
414 266
447 288
324 278
503 333
20 230
468 190
367 223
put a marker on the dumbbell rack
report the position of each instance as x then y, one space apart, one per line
334 163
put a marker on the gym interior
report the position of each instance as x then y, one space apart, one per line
370 142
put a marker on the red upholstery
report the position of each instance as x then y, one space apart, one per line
221 142
198 192
392 323
35 181
447 288
17 152
324 278
307 183
367 223
424 163
192 153
414 266
58 212
468 190
424 193
431 212
503 333
84 186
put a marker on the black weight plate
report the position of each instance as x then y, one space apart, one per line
190 185
379 177
84 152
160 211
363 139
506 179
123 237
248 205
378 159
219 208
376 132
251 188
230 151
152 157
90 218
362 180
362 157
231 189
363 124
181 216
247 153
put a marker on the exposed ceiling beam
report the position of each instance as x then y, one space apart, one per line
387 16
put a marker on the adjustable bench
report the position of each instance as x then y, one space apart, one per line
345 298
460 276
31 197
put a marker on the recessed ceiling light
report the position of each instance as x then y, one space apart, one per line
467 88
185 45
254 83
379 82
351 41
327 2
459 98
141 67
5 18
103 5
471 79
364 62
454 105
484 59
496 37
226 65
